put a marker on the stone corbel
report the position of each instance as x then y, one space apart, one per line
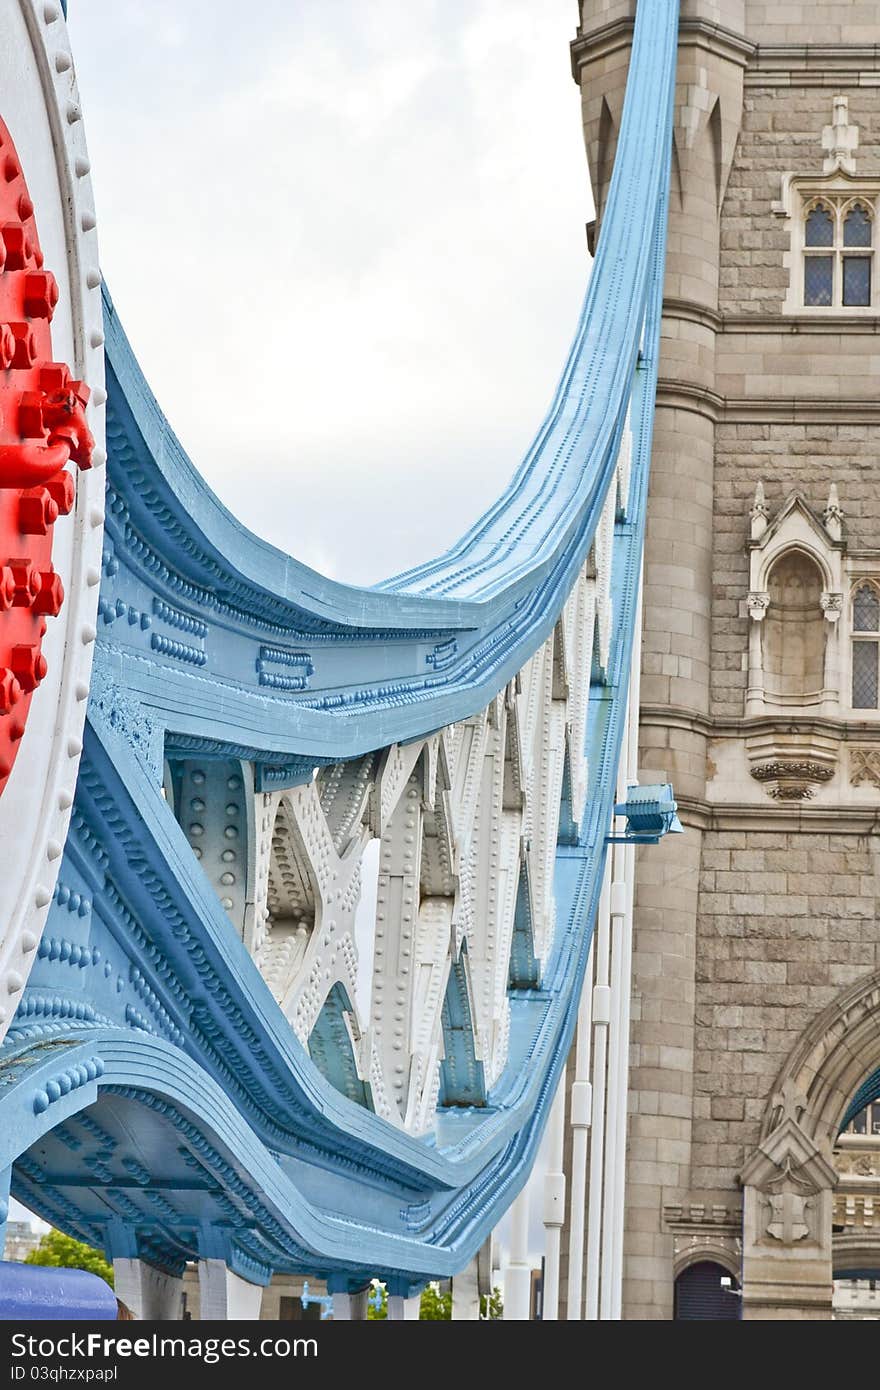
831 605
757 604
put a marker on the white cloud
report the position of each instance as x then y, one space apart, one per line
347 242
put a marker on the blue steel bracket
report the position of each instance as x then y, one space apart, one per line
650 814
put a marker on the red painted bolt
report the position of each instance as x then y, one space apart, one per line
10 691
7 344
37 511
26 583
50 595
7 588
29 665
54 376
18 248
25 351
62 490
16 730
25 207
10 168
30 414
40 294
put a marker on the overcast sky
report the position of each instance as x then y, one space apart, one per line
347 243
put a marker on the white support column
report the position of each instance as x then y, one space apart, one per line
615 1100
224 1296
350 1307
518 1274
149 1293
466 1294
617 1207
403 1309
554 1204
579 1120
601 1019
616 1218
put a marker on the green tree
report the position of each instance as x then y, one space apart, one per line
63 1252
492 1305
435 1306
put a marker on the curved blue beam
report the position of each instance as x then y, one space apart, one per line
270 677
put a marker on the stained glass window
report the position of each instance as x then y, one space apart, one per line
857 280
820 227
864 675
866 609
857 227
818 279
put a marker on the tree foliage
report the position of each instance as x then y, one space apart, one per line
63 1252
434 1306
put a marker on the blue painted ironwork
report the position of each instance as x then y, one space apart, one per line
38 1293
154 1098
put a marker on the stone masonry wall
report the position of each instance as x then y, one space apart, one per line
786 922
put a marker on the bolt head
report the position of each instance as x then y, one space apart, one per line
29 666
50 594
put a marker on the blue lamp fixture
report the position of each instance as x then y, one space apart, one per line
650 814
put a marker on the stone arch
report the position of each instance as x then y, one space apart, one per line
794 637
836 1053
715 1251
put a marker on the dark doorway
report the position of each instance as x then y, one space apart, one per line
707 1291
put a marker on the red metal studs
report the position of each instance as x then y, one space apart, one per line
10 691
7 588
50 594
25 207
40 294
7 343
17 244
62 490
24 352
29 666
26 583
37 511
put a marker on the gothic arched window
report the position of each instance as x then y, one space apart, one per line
865 646
838 253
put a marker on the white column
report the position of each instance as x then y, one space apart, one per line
622 928
149 1293
466 1294
403 1309
617 1210
518 1274
579 1120
224 1296
554 1204
601 1019
616 1098
350 1307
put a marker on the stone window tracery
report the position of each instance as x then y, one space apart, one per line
865 646
838 252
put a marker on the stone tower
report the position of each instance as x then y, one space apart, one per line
756 988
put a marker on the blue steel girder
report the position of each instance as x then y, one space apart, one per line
155 1098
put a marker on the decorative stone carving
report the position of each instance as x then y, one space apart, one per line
833 514
840 139
788 1185
832 606
791 780
864 766
795 580
790 766
759 516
